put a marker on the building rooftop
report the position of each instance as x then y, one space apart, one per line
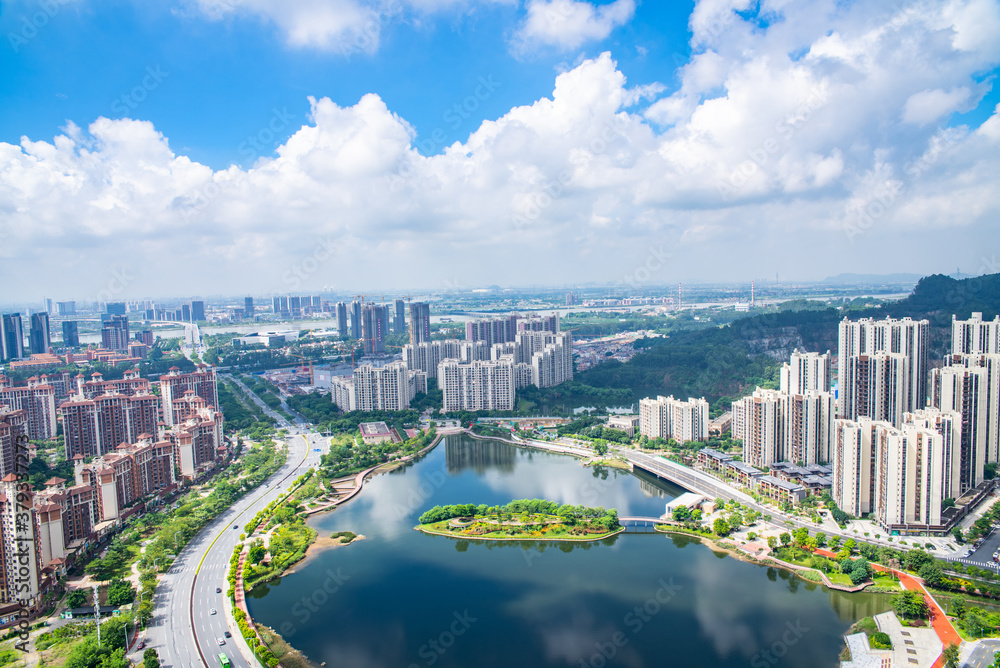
374 429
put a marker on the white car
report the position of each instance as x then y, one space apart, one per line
212 611
222 641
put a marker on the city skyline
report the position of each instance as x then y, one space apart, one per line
618 142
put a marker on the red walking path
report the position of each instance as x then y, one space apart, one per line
939 621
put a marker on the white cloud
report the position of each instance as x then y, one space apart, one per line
347 26
757 154
930 105
568 24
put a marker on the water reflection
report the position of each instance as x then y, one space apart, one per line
470 454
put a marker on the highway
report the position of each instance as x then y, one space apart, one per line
182 623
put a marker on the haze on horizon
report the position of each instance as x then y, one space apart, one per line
222 146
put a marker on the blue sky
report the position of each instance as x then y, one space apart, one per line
220 146
225 77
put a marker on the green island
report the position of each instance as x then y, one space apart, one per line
525 519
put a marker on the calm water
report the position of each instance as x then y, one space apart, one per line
402 598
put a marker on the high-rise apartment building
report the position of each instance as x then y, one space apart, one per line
115 308
248 310
13 426
757 421
428 355
949 425
11 337
806 372
854 464
501 329
295 306
20 575
808 426
115 334
95 427
70 334
196 435
174 384
975 336
399 319
420 322
342 319
276 305
876 386
965 390
882 368
909 478
376 328
186 312
197 311
37 400
356 328
65 308
39 339
666 417
386 388
478 385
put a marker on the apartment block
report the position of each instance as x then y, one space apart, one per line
757 421
975 336
37 399
666 417
477 385
806 372
420 322
20 577
386 388
13 426
175 384
909 478
966 390
95 427
882 368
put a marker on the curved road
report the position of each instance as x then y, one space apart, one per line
182 623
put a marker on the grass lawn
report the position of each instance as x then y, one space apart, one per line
886 581
546 527
840 579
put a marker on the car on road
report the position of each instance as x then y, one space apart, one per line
212 611
236 526
227 634
222 641
142 643
218 590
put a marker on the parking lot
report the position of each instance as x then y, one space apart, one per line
982 557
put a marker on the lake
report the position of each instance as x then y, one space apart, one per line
404 598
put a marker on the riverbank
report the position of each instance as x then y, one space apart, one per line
319 545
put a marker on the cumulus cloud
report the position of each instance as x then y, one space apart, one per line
776 139
568 24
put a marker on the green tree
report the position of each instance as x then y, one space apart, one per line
719 527
77 598
150 659
100 569
681 514
801 535
834 543
120 592
950 654
820 539
932 575
600 449
785 538
916 559
772 542
850 544
910 605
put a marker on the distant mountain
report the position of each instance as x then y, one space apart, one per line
869 279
